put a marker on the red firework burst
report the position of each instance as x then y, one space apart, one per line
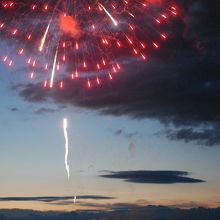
82 39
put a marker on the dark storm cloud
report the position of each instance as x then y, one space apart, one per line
54 198
179 85
149 176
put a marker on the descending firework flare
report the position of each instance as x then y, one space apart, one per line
65 126
81 39
74 199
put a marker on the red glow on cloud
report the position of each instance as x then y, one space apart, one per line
69 25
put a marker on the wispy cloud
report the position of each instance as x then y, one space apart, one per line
203 136
44 110
121 132
13 109
54 198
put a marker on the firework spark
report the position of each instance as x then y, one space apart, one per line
80 38
65 126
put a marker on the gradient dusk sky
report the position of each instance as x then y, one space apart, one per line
165 118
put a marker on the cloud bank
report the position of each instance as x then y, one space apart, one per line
118 213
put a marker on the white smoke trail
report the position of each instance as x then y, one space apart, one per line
65 126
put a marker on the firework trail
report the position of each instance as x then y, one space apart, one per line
109 15
82 39
54 69
44 38
74 199
65 126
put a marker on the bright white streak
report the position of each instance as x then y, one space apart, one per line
44 38
74 199
110 16
131 14
65 126
54 68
